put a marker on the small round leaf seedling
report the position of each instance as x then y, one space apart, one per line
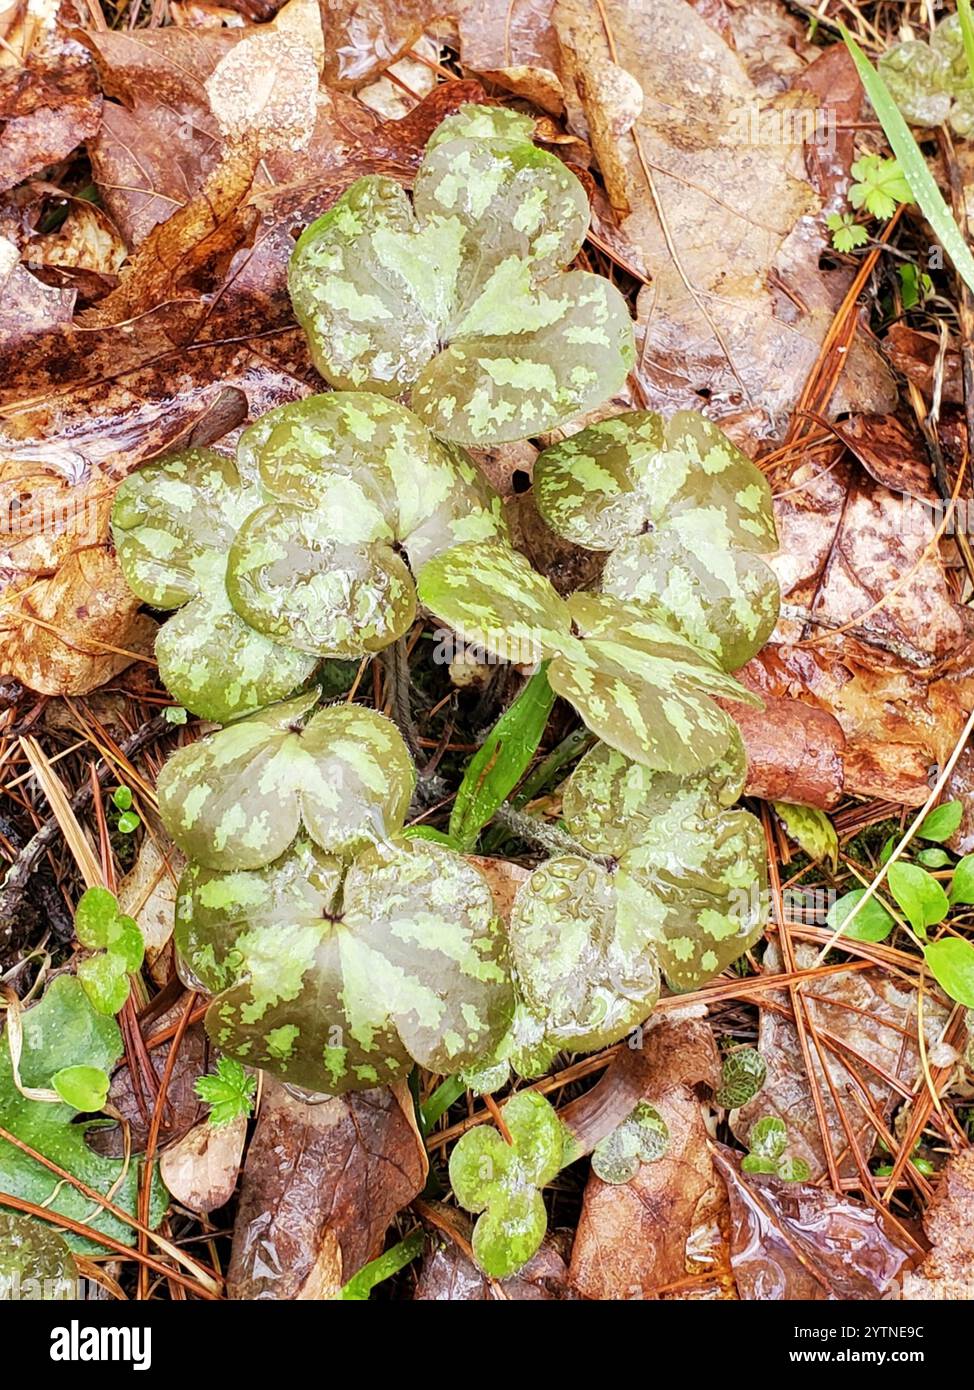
503 1181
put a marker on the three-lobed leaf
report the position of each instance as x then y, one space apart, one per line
502 1181
238 798
338 977
685 516
461 296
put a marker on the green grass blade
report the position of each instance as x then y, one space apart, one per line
498 766
361 1285
967 30
913 164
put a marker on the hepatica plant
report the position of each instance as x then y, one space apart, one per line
301 548
339 952
460 297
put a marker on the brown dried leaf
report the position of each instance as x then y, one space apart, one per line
632 1237
710 187
948 1270
183 1107
27 306
321 1184
513 43
49 97
874 1023
793 1241
201 1169
890 453
86 240
794 752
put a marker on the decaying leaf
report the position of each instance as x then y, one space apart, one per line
632 1237
321 1184
790 1240
873 1023
948 1271
722 185
201 1169
49 97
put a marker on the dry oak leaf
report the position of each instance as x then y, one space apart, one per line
632 1237
321 1184
709 190
794 1241
49 97
873 1024
948 1270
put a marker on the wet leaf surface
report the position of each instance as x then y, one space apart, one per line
790 1240
321 1184
872 1022
632 1237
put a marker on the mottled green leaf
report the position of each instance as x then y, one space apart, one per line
502 1181
237 798
685 515
105 981
791 1169
461 295
743 1074
173 523
916 76
643 688
353 478
582 943
527 359
643 1137
709 878
811 830
610 802
768 1138
36 1265
63 1030
338 979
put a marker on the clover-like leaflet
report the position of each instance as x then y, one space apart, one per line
117 948
643 1137
503 1181
931 82
461 297
685 516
